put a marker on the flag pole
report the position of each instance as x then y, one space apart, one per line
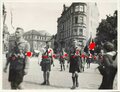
12 19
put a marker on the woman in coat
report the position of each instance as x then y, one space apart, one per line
110 66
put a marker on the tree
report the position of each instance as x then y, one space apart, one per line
107 29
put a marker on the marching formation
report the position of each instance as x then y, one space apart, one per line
76 58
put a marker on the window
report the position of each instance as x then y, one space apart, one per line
80 31
85 20
65 35
62 35
33 36
76 8
85 9
81 8
30 37
71 10
43 38
62 27
37 37
76 20
80 19
69 33
75 32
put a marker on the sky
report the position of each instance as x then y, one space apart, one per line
44 15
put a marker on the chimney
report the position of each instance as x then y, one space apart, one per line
64 7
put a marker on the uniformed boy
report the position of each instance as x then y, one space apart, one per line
46 62
62 59
18 60
74 68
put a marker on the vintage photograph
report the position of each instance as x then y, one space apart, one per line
59 45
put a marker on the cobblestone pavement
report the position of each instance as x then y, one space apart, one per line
89 79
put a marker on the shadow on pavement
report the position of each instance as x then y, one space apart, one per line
30 82
55 86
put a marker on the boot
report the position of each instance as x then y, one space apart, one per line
13 86
76 79
64 67
73 79
83 68
44 83
61 68
44 76
47 82
19 87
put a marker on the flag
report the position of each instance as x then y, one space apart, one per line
92 47
89 41
87 44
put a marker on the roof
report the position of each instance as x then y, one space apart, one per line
34 32
43 32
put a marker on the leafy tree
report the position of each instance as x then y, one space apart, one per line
107 29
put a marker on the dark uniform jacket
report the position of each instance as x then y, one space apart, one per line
74 63
17 55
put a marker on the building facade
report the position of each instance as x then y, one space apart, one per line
92 19
74 24
36 39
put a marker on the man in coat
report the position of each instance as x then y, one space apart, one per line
18 59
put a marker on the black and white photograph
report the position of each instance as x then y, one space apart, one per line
66 45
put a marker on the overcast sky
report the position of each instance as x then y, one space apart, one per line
43 15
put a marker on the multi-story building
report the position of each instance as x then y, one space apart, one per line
37 39
92 19
76 23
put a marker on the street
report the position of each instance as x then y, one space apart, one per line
89 79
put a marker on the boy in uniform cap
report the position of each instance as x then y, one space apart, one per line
47 60
62 59
74 68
